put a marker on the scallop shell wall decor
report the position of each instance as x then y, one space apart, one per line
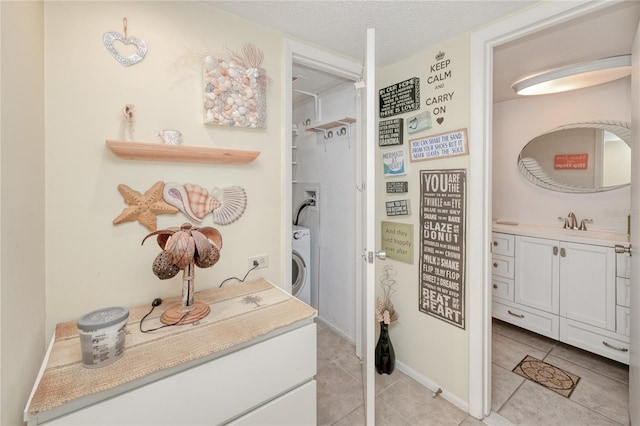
225 204
235 91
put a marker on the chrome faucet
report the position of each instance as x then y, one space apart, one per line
583 224
574 221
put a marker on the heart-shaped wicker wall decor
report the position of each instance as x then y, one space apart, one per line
141 46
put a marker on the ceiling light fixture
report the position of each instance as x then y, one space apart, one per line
574 76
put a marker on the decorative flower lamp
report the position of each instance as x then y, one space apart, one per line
183 249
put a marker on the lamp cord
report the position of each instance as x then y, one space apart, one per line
157 302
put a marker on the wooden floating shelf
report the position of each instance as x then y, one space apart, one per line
179 153
322 127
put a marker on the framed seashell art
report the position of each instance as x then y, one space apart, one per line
235 89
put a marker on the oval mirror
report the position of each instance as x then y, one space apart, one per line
581 157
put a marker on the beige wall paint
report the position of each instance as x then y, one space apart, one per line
90 262
435 350
22 304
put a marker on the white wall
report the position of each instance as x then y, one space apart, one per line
518 121
22 209
330 167
433 349
91 263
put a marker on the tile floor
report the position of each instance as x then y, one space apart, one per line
601 397
400 400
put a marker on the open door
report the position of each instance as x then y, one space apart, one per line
300 53
634 356
369 234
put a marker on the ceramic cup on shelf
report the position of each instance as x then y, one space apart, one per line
170 137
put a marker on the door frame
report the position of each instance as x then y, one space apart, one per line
312 57
482 43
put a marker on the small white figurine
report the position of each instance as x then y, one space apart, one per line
129 117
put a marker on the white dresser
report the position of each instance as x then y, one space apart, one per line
251 361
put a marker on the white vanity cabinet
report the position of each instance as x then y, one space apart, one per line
569 291
533 304
537 274
588 290
503 262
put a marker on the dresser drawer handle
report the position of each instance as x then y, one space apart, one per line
495 286
615 347
495 243
515 315
495 265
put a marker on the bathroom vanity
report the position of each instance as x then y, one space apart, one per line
569 285
252 360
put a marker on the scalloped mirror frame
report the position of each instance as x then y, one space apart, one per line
533 172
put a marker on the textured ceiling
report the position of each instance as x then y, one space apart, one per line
403 28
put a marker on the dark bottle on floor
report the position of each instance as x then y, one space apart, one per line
385 355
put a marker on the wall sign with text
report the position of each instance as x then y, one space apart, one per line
393 163
398 208
571 162
400 98
442 244
397 241
390 132
440 85
397 187
442 145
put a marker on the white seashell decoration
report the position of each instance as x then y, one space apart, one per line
237 88
226 204
233 202
200 201
176 195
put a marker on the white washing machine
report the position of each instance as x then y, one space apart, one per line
301 264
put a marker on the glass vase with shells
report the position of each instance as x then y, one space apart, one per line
183 249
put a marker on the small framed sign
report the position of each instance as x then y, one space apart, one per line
442 145
397 241
400 98
397 187
571 161
419 122
398 208
393 163
390 132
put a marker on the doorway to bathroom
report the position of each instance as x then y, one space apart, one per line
552 19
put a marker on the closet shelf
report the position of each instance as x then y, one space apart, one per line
323 127
179 153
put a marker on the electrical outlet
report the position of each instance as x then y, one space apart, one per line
262 261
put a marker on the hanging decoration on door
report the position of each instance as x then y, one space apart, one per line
440 74
397 241
400 98
390 132
442 244
393 163
448 144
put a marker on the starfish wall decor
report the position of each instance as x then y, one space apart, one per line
225 205
144 208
